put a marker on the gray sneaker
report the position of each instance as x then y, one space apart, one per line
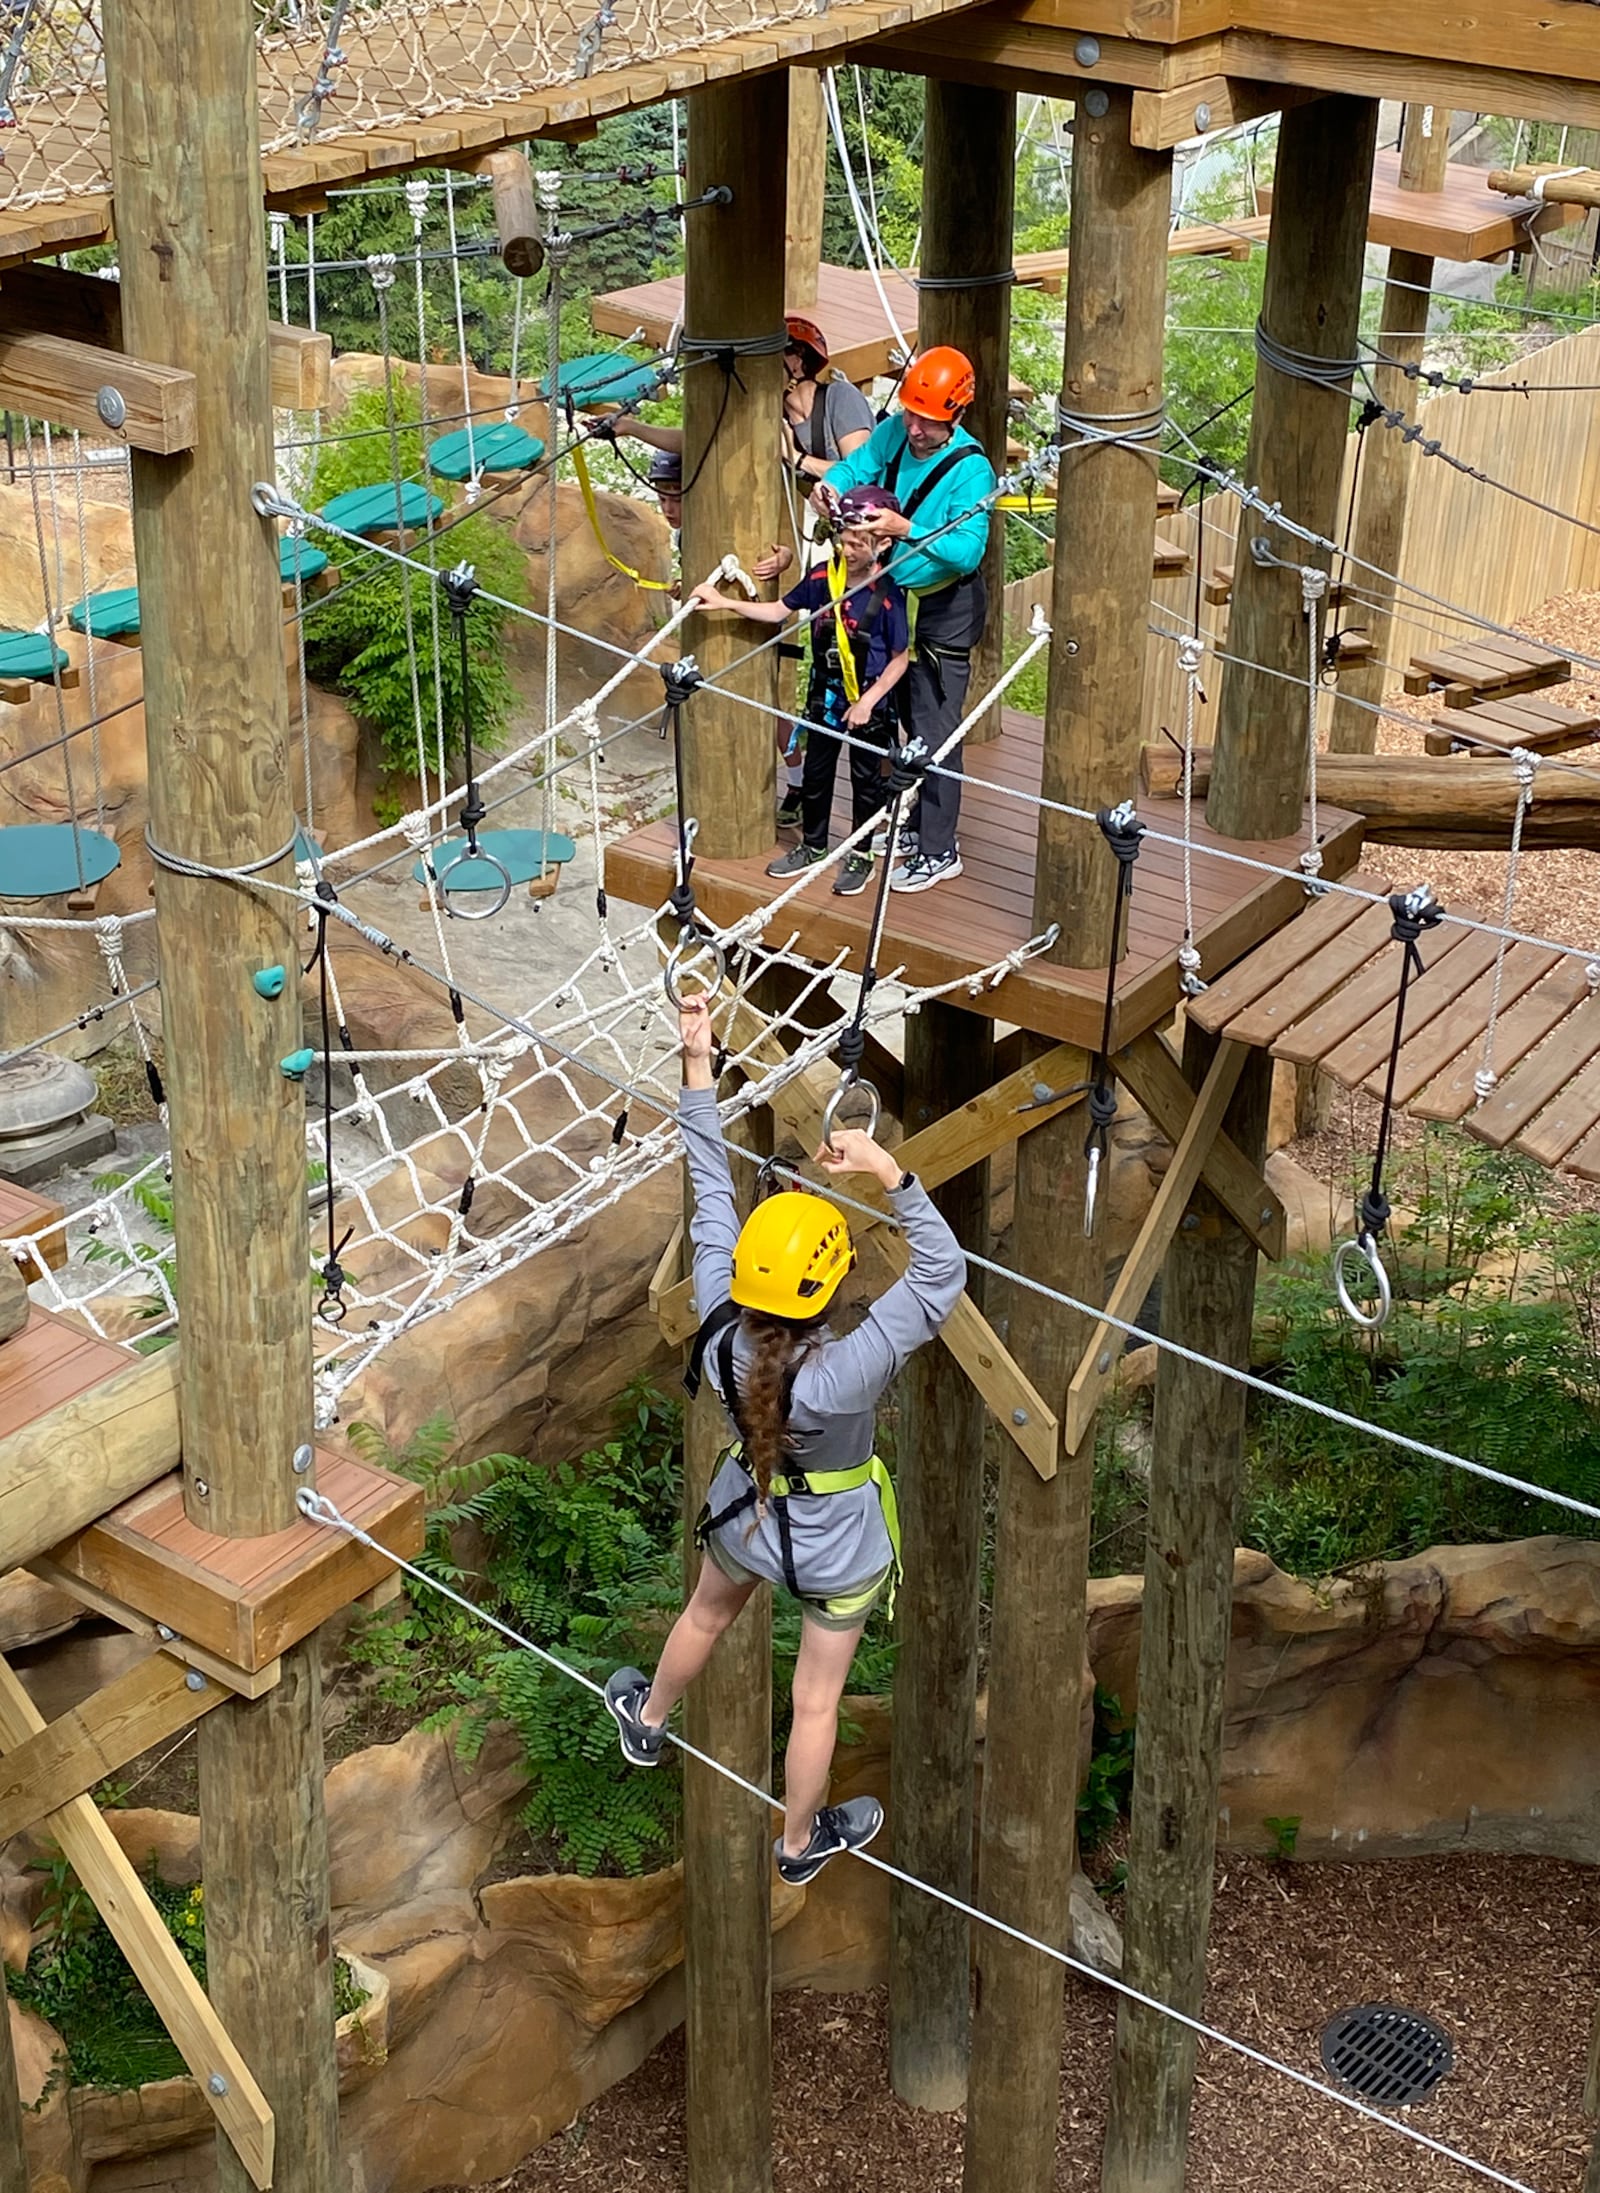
799 858
923 871
626 1692
850 1826
853 876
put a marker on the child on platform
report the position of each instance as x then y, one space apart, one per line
860 650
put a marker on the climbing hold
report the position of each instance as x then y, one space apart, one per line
268 982
296 1066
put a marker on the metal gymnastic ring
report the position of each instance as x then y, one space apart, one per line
847 1087
1364 1249
502 890
689 948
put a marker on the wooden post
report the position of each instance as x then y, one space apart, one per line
968 208
13 2146
1207 1302
949 1060
733 275
1105 513
727 1844
516 209
181 96
1312 305
806 195
1116 289
1386 461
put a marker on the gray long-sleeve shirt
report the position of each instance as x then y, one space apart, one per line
840 1539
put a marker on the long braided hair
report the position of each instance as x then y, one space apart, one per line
775 1349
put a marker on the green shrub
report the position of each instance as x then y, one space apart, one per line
1109 1783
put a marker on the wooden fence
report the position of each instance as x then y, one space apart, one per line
1465 542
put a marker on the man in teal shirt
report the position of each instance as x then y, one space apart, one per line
944 483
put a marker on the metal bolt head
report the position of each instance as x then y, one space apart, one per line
110 407
303 1459
1019 1416
1265 1216
202 1491
1096 103
217 2085
1103 1361
194 1680
1086 53
1202 118
1188 1222
166 1636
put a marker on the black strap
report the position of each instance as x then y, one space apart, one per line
913 502
723 1314
819 421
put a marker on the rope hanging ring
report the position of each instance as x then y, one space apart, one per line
1362 1249
849 1085
684 958
501 890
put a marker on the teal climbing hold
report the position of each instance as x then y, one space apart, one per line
268 982
302 556
607 377
517 850
38 860
297 1065
380 509
502 447
112 614
30 655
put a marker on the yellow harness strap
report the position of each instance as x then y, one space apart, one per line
838 582
586 486
870 1472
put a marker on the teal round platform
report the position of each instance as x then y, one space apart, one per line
110 615
30 655
607 377
380 510
518 850
306 848
302 556
37 860
501 447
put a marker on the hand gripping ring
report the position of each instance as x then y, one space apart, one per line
684 956
1362 1249
501 890
849 1086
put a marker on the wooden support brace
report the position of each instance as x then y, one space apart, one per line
1149 1250
119 1896
244 1682
53 377
1156 1079
1162 119
151 1702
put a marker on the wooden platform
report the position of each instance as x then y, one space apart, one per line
1497 726
245 1599
951 931
1464 221
1478 668
48 1362
1322 993
848 310
23 1212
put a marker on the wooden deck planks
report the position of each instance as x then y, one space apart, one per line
1310 1040
1563 1124
1305 988
1541 1076
1323 920
48 1362
1434 991
1450 1095
1450 1036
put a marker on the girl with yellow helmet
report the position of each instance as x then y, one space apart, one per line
799 1499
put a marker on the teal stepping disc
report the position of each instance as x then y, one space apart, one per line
606 377
380 509
37 860
519 850
294 552
112 614
502 447
30 655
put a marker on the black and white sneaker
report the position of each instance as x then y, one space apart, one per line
906 846
795 862
853 876
923 871
626 1693
850 1826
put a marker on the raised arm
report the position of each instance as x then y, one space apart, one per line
714 1228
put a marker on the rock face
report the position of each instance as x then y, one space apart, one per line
592 596
1451 1702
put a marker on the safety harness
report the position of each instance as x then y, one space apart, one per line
933 653
850 650
718 1330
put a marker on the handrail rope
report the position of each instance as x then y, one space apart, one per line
316 1507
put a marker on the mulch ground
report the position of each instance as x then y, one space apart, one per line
1502 1952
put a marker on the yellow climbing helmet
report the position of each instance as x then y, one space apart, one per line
792 1252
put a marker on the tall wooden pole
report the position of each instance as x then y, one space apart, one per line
1311 306
727 1842
13 2146
733 292
1386 461
807 192
182 101
1105 511
949 1060
1116 291
968 208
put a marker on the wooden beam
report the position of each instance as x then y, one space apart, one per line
1560 187
516 213
119 1896
806 189
1144 1260
1163 119
1464 85
1156 1079
151 1702
84 1457
53 377
246 1682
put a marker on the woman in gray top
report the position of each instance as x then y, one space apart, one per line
800 1499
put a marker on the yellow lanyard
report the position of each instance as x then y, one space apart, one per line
838 581
581 466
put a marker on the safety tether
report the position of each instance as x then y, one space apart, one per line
580 465
1123 830
838 587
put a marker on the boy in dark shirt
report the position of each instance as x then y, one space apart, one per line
860 649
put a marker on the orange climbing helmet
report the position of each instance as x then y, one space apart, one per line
939 385
808 335
792 1252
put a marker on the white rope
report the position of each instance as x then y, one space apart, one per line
1191 654
1526 764
1313 588
830 95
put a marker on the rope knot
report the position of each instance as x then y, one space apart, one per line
415 829
1102 1107
1525 762
852 1048
1313 586
380 267
1374 1213
1123 830
1191 654
1413 912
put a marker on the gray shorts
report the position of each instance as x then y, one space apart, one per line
845 1610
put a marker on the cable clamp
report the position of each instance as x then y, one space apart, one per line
1122 830
679 679
460 585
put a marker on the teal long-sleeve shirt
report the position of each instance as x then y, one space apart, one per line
929 556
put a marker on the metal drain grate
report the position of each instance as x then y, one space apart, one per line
1385 2054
